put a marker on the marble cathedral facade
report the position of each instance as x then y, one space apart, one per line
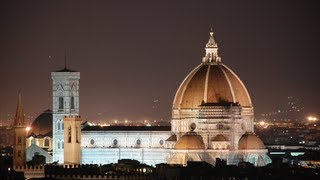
212 117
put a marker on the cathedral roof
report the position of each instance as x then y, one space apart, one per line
173 137
126 128
250 141
190 141
211 82
42 125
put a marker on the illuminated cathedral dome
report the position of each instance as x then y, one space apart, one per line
190 140
250 141
211 82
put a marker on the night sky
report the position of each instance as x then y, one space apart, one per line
133 55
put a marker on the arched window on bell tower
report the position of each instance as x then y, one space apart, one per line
77 134
60 103
72 103
58 125
69 134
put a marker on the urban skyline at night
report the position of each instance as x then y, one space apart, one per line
159 90
131 64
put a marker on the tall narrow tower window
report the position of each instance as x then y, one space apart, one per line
72 103
58 125
58 145
69 134
77 134
19 140
60 103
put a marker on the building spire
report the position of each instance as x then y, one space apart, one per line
19 118
211 43
211 50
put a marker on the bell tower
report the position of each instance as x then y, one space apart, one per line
65 102
19 146
72 137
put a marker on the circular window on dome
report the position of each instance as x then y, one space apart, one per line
92 141
161 142
115 142
138 142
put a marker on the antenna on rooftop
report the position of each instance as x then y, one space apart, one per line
65 58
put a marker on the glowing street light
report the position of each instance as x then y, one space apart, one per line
28 128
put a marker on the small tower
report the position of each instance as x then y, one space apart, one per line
65 94
211 50
72 137
19 146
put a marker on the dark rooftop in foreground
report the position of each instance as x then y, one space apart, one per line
127 128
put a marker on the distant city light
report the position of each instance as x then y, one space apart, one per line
312 118
263 124
104 125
